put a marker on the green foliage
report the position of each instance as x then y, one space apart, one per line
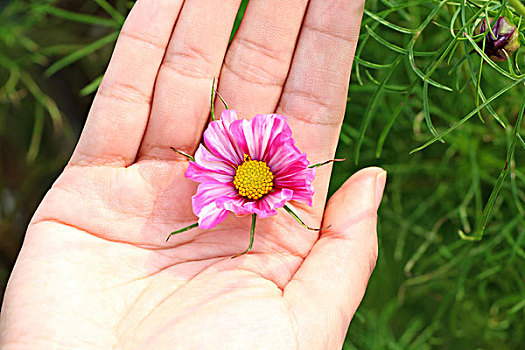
39 116
425 102
431 288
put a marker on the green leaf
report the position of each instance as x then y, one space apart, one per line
389 24
92 86
78 17
394 47
36 137
467 117
111 11
77 55
487 211
367 118
47 102
426 111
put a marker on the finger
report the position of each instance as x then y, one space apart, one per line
314 96
328 287
181 105
118 116
258 59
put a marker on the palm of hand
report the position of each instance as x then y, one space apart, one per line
96 272
111 248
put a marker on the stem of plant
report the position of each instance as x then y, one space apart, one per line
189 156
212 102
184 229
299 220
252 235
326 162
518 6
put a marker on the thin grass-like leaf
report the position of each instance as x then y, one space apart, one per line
367 118
467 117
514 188
78 17
371 64
453 20
92 86
448 48
426 112
420 74
111 11
77 55
394 47
395 8
426 78
47 102
36 137
478 234
238 19
522 142
391 121
400 11
478 81
14 74
482 96
389 24
387 87
359 50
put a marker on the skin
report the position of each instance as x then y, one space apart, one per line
95 271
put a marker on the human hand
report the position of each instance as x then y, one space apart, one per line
95 270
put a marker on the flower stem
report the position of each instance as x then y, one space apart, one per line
252 235
518 6
189 156
326 162
184 229
212 102
299 220
223 102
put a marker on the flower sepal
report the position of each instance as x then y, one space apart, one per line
501 39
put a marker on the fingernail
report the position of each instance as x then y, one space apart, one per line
380 187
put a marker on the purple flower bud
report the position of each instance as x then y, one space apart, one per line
505 38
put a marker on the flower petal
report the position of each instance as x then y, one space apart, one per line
204 203
208 167
235 205
301 184
220 142
254 136
228 116
268 205
264 207
211 216
211 191
282 153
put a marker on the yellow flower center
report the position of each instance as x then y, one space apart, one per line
253 178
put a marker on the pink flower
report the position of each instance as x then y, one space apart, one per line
248 167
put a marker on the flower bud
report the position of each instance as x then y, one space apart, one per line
505 38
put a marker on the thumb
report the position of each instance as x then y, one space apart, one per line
328 287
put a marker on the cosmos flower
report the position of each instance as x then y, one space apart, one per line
505 39
248 167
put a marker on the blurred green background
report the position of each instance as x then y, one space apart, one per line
417 76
